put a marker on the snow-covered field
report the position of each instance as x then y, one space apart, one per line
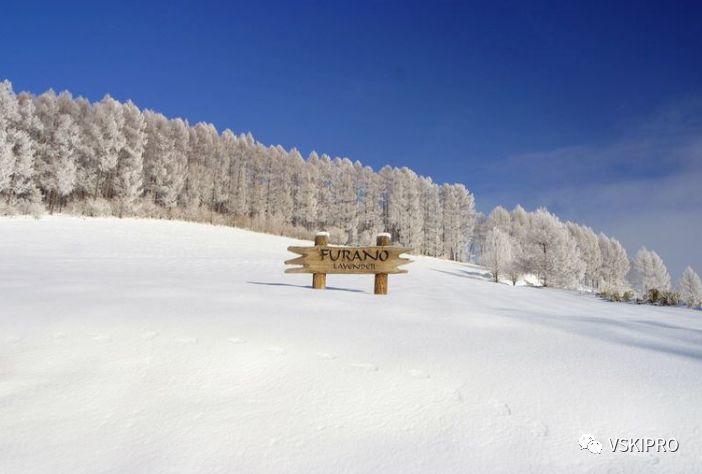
155 346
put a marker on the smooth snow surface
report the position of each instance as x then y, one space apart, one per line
156 346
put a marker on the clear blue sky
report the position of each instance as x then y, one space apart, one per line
591 108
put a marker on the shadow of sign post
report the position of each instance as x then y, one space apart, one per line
322 259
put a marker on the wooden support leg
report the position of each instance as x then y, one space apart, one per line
319 280
381 279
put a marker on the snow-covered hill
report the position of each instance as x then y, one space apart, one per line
154 346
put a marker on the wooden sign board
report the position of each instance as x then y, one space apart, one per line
348 260
381 260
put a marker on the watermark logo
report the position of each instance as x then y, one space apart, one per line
644 445
630 445
587 441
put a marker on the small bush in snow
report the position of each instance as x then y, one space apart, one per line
97 207
669 298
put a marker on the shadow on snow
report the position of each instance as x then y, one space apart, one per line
332 288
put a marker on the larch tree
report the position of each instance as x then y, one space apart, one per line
129 177
551 253
497 253
432 218
7 161
9 116
369 205
650 272
107 140
690 288
411 216
22 185
589 249
63 163
499 218
614 264
238 198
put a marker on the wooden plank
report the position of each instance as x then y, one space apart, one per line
348 260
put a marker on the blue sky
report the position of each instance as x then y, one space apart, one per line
591 108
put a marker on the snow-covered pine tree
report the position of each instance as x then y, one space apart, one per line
690 287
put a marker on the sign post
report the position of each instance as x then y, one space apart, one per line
381 260
319 280
381 279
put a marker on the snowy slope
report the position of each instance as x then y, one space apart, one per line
152 346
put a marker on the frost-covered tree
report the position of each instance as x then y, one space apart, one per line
239 180
614 264
411 217
62 148
22 185
165 159
690 287
129 176
514 269
497 253
9 106
369 218
458 220
500 218
650 272
107 140
7 161
589 249
431 207
62 165
551 253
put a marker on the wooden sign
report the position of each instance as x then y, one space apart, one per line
322 259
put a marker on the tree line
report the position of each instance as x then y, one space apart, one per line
64 153
520 244
109 157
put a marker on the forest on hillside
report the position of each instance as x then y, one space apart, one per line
60 153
